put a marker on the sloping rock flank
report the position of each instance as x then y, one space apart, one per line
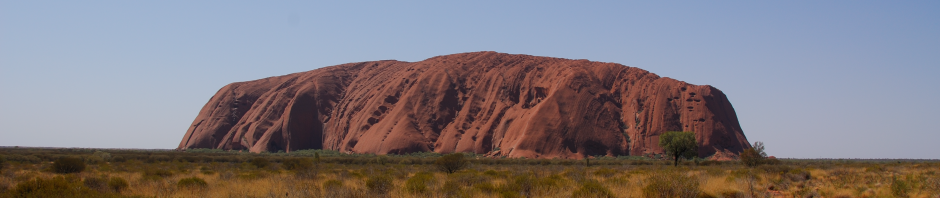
481 102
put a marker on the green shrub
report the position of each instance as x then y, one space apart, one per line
155 174
192 182
117 184
521 185
605 172
205 170
260 162
103 155
592 188
754 156
775 169
379 184
732 194
254 174
467 178
486 187
899 188
551 181
55 187
671 184
96 183
544 162
67 165
798 175
32 159
451 163
332 184
297 163
94 160
158 158
382 159
492 173
3 163
709 163
418 184
452 189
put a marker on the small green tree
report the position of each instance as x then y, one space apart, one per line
754 156
451 163
679 144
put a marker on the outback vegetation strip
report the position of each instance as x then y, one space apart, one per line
29 172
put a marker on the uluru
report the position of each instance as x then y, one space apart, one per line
482 102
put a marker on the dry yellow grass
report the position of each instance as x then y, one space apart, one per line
240 180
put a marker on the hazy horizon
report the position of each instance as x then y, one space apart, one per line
809 79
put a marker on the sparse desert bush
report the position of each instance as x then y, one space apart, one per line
899 187
3 163
381 160
451 163
205 170
418 183
526 184
592 189
96 183
67 165
158 158
39 187
192 183
155 174
452 189
486 187
252 175
103 155
117 184
732 194
670 184
605 172
332 184
380 184
754 156
94 160
467 178
349 175
58 186
260 162
775 169
798 175
297 163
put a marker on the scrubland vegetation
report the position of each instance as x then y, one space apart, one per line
33 172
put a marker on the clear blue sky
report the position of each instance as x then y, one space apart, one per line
836 79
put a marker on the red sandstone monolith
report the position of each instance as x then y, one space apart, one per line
483 102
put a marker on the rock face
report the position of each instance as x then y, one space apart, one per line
482 102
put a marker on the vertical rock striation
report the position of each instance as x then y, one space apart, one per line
482 102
